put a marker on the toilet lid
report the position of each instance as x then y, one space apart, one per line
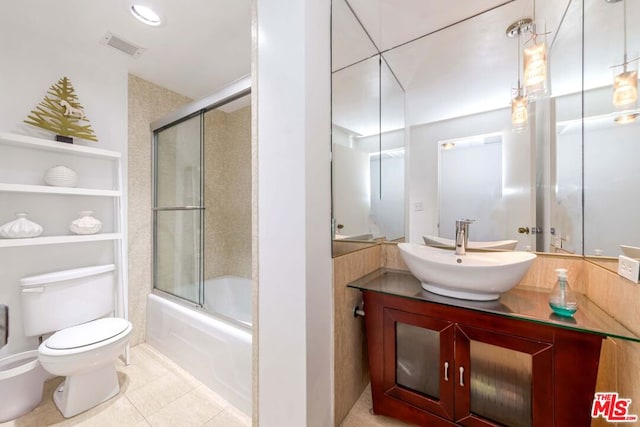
87 333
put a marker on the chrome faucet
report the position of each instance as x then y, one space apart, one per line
462 235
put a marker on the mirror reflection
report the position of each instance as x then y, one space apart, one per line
552 186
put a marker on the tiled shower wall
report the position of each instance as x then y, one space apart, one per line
228 193
619 361
147 103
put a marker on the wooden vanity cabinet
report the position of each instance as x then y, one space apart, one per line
437 365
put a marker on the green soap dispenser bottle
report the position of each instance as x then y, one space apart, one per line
562 299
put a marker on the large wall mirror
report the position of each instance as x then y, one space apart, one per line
422 130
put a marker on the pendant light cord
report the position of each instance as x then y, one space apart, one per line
518 61
624 26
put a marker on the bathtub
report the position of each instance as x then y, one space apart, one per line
213 345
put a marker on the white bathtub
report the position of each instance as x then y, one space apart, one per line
213 349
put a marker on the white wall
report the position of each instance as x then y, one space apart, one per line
423 172
470 186
28 70
294 251
351 171
387 212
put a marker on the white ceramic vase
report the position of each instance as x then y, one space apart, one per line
61 176
85 224
20 228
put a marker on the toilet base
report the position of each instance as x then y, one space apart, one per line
82 392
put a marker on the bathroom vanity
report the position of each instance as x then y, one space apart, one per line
441 361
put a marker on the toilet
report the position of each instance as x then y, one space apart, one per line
73 304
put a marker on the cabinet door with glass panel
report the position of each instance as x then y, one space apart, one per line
418 361
494 379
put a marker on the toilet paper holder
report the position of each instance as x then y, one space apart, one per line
4 325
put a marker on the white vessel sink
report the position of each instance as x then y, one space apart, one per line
480 276
490 244
630 251
366 236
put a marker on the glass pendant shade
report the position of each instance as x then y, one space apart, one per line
535 69
625 90
519 112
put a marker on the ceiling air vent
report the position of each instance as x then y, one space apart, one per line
122 45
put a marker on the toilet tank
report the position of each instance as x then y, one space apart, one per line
61 299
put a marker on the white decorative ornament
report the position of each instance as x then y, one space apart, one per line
71 111
20 228
61 176
86 224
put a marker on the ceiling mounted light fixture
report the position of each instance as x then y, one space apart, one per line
145 15
625 84
519 101
535 60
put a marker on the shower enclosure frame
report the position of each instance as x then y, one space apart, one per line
230 93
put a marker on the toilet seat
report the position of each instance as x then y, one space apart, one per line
86 337
87 333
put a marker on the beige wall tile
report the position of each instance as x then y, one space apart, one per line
614 294
147 103
628 382
228 193
542 273
351 366
391 257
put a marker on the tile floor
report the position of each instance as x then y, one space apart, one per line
360 415
154 391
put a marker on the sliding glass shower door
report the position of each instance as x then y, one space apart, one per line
178 209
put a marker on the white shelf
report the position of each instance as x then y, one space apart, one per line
55 146
45 189
55 240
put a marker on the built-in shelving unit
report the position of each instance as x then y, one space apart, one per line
44 189
54 240
20 186
55 146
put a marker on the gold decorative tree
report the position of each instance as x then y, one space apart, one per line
61 113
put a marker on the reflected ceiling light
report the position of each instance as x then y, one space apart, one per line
625 84
519 101
535 60
145 15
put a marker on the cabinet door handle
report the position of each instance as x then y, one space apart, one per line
461 376
446 371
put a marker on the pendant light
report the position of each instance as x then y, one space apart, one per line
535 62
519 101
625 84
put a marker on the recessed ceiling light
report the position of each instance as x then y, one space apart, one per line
146 15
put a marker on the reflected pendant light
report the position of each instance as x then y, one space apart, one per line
625 84
535 68
535 62
519 101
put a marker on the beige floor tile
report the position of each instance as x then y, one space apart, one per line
169 364
118 411
143 369
151 386
361 416
193 409
159 393
230 417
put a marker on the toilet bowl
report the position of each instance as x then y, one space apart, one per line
85 355
74 304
